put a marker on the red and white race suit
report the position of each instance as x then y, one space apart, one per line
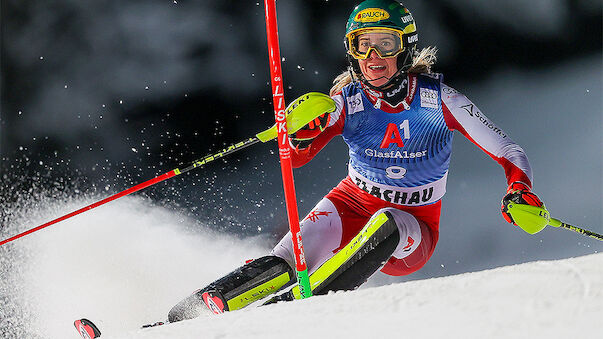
399 158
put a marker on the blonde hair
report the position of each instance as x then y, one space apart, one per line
421 63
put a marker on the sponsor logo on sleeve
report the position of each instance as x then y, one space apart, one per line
449 91
475 113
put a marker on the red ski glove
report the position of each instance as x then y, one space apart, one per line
305 135
519 193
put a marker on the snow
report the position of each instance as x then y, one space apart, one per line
128 263
120 265
545 299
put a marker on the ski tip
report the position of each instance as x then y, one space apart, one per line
159 323
86 329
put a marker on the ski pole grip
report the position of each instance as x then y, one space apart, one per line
531 219
301 112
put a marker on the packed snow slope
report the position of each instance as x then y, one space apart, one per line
128 263
544 299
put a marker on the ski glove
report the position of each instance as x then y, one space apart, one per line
519 193
305 135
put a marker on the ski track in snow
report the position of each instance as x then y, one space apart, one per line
127 263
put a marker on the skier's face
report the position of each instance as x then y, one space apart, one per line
376 70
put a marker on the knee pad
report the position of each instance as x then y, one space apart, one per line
416 246
241 287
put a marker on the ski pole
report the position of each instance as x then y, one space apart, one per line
301 111
533 219
557 223
197 163
276 79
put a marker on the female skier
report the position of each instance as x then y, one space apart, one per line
397 118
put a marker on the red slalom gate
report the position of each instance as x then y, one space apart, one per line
284 149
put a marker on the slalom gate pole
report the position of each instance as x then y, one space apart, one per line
284 149
195 164
557 223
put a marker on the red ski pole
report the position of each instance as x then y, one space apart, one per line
284 149
165 176
295 120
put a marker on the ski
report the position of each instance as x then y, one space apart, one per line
86 329
159 323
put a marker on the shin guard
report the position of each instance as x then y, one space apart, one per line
379 238
349 268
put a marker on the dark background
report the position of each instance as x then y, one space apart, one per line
101 95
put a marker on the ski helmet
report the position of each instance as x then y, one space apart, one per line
385 16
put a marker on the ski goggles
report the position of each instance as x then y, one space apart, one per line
386 42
